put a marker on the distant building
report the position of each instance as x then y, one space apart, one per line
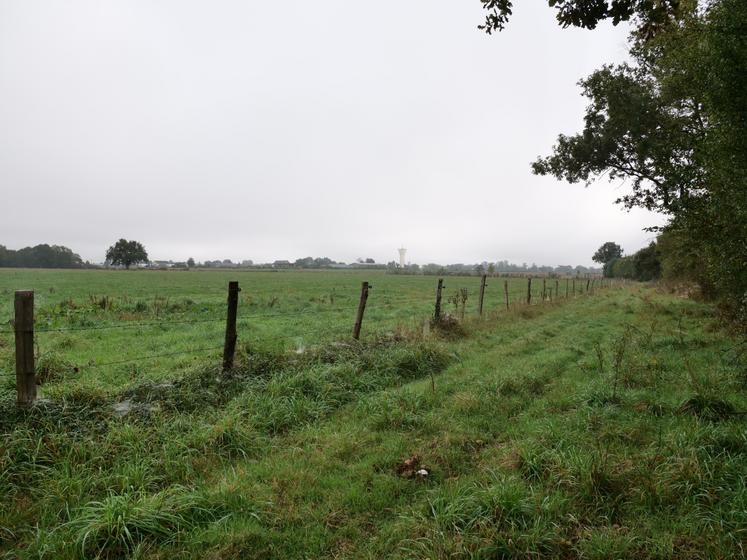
160 264
402 253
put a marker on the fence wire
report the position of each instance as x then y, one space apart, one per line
515 296
151 357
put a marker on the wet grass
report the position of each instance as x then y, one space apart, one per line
604 427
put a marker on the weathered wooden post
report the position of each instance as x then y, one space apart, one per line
361 310
557 284
566 288
437 311
229 346
529 291
505 289
588 282
24 331
483 280
544 290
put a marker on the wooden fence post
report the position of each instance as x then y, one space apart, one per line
588 282
229 346
483 280
505 289
566 288
24 330
437 311
529 291
361 310
557 284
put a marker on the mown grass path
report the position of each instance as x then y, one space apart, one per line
602 427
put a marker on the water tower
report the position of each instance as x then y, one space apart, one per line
402 252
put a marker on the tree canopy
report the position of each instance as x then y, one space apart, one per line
40 256
671 126
126 253
651 14
607 252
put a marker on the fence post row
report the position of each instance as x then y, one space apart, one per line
24 332
483 281
24 325
361 310
437 311
229 346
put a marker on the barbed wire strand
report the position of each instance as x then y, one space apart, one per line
255 340
386 306
151 357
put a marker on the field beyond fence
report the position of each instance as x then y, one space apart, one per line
105 330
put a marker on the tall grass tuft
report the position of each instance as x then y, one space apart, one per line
120 523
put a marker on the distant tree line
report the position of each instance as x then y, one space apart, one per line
40 256
489 268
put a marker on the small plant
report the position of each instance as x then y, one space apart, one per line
600 356
448 326
459 300
454 300
102 302
51 366
707 407
618 355
463 295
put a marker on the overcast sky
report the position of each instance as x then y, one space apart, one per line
276 130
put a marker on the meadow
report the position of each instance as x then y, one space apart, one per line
602 426
96 330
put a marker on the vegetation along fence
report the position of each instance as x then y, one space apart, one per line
23 324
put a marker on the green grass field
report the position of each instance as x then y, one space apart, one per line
604 426
88 319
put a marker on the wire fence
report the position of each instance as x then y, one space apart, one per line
384 302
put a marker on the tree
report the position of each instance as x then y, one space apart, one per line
126 253
607 252
651 16
671 125
190 262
